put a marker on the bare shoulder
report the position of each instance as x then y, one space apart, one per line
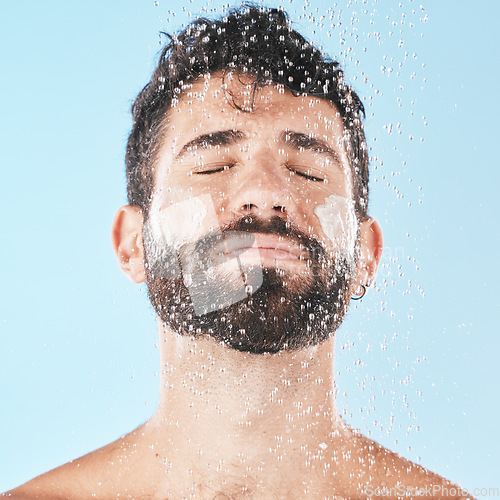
91 475
392 475
70 480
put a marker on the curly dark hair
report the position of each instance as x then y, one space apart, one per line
249 40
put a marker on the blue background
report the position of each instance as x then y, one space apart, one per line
416 360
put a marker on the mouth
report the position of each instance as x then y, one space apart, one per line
263 248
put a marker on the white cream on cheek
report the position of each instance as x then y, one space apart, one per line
338 221
184 221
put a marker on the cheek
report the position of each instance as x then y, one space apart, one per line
338 222
184 221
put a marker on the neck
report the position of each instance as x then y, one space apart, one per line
220 407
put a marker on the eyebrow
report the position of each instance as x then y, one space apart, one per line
304 142
207 141
291 139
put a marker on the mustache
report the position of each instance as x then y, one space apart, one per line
243 227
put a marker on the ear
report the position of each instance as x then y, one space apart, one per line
126 237
370 252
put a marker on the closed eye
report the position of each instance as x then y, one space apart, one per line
213 169
304 174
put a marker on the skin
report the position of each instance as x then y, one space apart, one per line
231 424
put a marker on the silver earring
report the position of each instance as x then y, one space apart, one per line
358 297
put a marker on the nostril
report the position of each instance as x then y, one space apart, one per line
252 207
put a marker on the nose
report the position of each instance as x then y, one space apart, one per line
260 189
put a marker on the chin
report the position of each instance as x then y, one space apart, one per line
288 312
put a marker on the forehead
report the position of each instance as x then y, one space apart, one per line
232 102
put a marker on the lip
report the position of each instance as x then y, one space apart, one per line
263 246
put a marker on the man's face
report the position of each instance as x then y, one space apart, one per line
251 234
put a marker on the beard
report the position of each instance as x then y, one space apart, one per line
254 309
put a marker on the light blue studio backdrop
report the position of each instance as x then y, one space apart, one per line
417 359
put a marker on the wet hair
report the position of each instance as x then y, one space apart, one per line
253 41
